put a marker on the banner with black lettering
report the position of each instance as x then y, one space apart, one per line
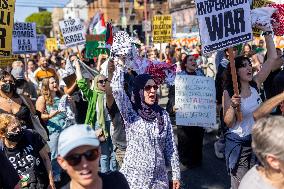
7 10
73 32
223 23
24 38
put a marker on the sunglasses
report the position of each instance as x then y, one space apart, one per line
75 159
103 81
149 87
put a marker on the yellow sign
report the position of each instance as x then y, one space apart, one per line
139 4
7 9
260 3
51 44
162 28
6 61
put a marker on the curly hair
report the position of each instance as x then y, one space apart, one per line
6 120
228 84
46 93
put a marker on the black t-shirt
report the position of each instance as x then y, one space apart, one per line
8 175
26 159
111 180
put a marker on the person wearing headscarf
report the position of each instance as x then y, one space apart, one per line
98 117
149 134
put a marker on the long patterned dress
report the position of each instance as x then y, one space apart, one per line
149 150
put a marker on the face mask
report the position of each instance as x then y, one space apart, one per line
14 137
8 87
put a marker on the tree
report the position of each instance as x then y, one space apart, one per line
43 22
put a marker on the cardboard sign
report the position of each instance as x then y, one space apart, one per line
96 45
7 9
223 24
51 44
7 61
162 28
41 42
195 100
24 38
72 31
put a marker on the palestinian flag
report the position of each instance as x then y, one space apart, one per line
100 26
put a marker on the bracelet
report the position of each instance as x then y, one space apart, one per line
267 33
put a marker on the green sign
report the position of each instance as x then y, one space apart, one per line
95 45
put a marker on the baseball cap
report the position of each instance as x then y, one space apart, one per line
18 73
75 136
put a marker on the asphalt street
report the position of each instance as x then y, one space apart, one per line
212 174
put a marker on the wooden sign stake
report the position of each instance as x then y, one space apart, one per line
79 53
235 82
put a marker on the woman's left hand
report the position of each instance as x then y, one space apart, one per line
176 184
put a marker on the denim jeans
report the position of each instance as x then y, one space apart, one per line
52 143
107 160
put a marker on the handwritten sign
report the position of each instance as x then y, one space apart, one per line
40 42
96 45
7 9
72 31
51 44
223 24
24 38
162 28
195 100
7 61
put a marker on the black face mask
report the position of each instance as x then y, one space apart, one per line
14 137
8 87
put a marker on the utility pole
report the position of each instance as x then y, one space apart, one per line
145 18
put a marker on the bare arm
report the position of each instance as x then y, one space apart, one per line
46 161
269 64
229 111
78 71
70 90
268 106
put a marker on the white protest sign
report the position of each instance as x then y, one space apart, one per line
41 42
72 31
195 100
24 38
223 24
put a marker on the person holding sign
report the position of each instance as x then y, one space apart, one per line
149 133
190 138
238 150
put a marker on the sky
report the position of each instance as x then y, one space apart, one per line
24 8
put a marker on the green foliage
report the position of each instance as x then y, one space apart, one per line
43 22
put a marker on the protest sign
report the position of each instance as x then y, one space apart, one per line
24 38
162 28
7 61
7 9
51 44
41 42
195 100
223 24
72 31
96 45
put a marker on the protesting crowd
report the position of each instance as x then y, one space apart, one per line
79 118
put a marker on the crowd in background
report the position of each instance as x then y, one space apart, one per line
38 103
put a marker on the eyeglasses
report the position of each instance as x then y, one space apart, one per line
75 159
149 87
102 81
